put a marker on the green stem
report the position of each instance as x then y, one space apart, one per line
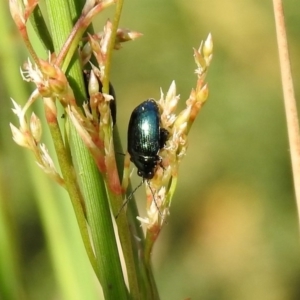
72 188
127 248
29 47
111 46
129 230
100 222
151 236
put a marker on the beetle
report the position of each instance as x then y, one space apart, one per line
146 138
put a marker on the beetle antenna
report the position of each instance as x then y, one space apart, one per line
153 195
128 198
131 195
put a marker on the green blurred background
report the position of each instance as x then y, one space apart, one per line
233 231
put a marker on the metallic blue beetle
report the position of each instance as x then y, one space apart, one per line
146 138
